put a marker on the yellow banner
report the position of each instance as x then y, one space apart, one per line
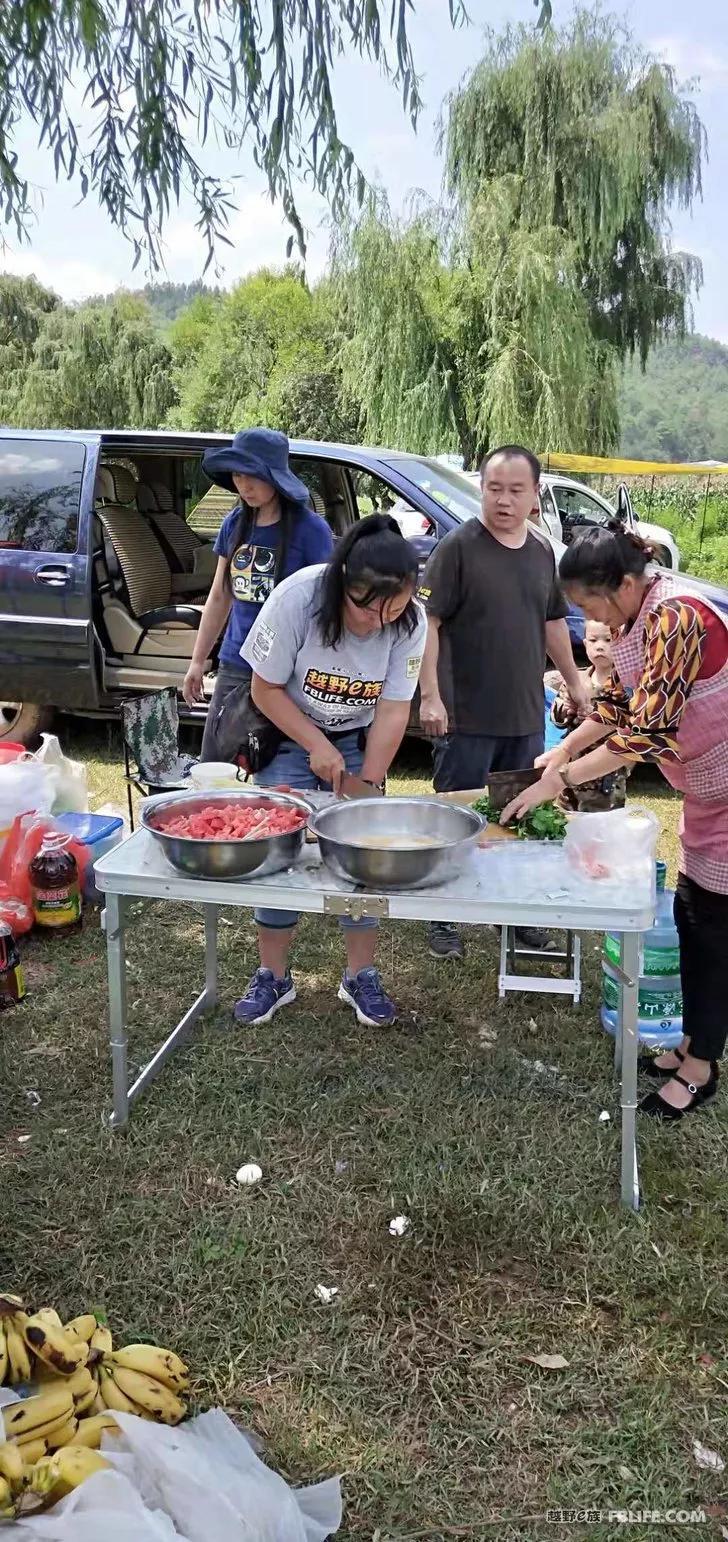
632 468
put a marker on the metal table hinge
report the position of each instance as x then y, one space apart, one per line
358 906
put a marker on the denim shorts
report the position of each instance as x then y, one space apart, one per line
290 766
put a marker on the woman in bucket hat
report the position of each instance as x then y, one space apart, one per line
270 534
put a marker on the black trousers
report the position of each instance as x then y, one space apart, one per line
462 761
701 918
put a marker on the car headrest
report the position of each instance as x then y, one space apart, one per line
147 499
115 484
165 501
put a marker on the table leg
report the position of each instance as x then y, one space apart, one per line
504 945
629 1010
211 912
116 962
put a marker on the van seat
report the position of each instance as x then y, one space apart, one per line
140 615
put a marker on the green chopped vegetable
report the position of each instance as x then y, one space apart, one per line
545 823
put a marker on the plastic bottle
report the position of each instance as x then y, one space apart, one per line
55 885
12 979
660 993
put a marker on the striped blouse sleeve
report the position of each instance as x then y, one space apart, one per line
674 644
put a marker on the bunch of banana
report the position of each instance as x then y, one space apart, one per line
15 1361
38 1424
89 1431
59 1350
91 1332
55 1476
7 1501
145 1380
12 1477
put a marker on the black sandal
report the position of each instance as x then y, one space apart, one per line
647 1064
656 1107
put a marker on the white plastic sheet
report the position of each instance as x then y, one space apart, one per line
206 1477
201 1482
107 1508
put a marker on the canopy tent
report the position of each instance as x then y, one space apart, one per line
631 468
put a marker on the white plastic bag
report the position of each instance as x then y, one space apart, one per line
619 844
106 1508
26 787
71 791
206 1477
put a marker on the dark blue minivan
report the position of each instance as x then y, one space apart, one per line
106 554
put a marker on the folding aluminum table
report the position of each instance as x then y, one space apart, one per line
490 890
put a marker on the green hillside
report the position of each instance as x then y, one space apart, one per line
678 409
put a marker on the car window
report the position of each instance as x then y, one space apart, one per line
375 496
453 490
579 507
206 504
547 501
40 493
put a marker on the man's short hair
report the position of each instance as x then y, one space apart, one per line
512 452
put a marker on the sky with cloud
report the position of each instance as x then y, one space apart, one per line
74 250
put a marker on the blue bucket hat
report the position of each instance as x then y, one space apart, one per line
256 452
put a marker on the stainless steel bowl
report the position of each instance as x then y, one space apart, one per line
344 828
220 858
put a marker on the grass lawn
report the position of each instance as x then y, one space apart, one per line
413 1383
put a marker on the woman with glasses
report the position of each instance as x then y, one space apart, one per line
335 655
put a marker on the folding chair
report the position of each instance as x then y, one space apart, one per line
152 761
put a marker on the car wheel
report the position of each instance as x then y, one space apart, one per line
24 722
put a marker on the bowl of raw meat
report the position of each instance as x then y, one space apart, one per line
229 833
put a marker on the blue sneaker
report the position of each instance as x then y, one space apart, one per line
363 992
265 994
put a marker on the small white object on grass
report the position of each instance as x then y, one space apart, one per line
707 1459
326 1293
399 1225
604 1116
249 1173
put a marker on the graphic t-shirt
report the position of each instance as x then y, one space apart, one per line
338 688
252 568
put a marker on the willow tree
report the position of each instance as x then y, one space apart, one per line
101 365
596 142
508 313
398 352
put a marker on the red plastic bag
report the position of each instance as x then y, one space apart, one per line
22 845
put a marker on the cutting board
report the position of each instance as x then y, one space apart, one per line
464 800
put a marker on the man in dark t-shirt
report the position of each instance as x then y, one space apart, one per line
495 609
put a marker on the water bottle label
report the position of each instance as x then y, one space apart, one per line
612 950
662 961
654 1006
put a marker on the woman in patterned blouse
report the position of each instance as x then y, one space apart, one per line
670 652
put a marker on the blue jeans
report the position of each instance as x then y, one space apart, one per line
290 766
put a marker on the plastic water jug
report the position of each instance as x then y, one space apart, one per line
660 994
